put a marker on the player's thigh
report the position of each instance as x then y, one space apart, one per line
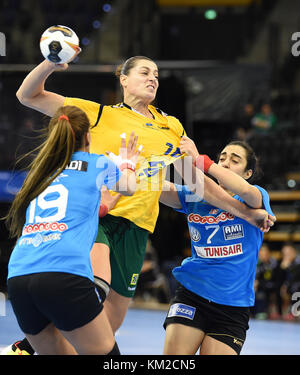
100 261
182 339
116 307
50 342
211 346
95 337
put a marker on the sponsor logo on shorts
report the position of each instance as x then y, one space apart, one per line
182 310
134 279
232 232
219 251
237 342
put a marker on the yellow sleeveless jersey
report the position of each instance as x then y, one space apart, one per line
160 139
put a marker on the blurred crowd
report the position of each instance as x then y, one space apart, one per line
277 283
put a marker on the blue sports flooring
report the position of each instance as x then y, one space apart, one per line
142 333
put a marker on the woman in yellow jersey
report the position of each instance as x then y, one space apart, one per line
118 253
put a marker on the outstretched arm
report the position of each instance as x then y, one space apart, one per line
230 180
218 197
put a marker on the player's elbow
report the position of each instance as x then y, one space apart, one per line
23 99
20 96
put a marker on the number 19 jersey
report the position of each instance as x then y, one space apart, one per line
62 222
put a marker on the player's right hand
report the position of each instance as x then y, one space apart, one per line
61 67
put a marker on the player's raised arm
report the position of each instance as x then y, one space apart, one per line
32 91
59 45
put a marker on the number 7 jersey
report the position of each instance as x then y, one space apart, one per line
224 251
62 222
160 138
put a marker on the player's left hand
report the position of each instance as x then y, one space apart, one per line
129 153
262 220
108 199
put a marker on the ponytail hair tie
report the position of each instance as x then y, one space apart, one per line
63 117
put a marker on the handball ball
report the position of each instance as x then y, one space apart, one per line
59 44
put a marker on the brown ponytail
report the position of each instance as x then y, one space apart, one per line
63 137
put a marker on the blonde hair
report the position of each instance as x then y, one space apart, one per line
63 137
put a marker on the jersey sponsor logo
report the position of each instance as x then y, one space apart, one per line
232 232
44 227
156 127
195 234
78 165
196 218
38 239
219 251
182 310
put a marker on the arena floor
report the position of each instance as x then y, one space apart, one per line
142 334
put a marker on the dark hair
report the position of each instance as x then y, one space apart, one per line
63 136
252 160
129 64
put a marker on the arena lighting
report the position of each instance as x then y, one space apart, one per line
96 24
106 8
210 14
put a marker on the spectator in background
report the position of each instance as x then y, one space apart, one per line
290 264
265 121
245 122
268 280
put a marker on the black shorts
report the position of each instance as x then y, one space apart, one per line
227 324
68 301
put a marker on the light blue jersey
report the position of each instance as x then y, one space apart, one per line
224 251
62 222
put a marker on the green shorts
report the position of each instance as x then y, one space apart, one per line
127 243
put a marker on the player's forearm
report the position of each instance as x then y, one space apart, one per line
237 185
34 82
218 197
230 180
127 183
